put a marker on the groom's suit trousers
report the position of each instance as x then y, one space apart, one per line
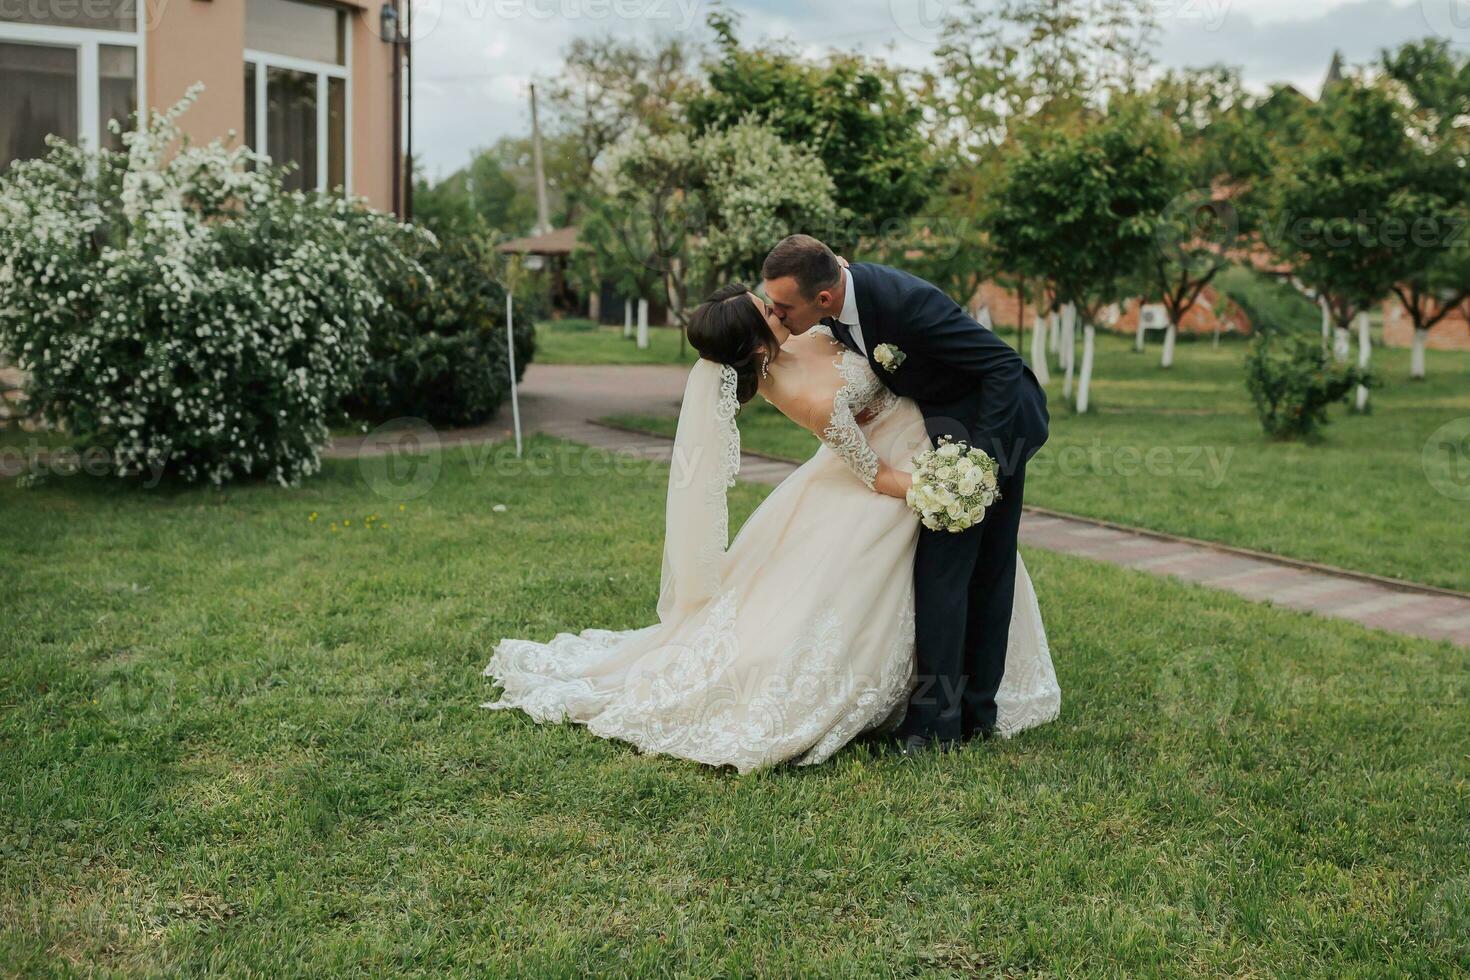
962 619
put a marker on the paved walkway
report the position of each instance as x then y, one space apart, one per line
562 401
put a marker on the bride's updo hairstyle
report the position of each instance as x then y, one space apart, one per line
728 328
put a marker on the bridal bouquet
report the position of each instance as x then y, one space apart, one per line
953 484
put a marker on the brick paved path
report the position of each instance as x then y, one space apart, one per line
562 401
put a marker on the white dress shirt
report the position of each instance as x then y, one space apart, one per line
849 314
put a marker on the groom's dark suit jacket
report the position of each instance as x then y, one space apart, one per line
968 382
970 385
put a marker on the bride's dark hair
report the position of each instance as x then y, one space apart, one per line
728 328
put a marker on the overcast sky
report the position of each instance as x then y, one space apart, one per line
475 58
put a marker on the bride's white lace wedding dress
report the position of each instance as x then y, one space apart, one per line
800 635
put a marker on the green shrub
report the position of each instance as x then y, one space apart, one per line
180 310
439 353
1292 381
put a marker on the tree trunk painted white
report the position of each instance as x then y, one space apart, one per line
1326 323
627 319
643 324
1365 356
1069 347
1341 344
982 317
510 350
1416 356
1138 334
1038 350
1167 360
1084 381
1053 333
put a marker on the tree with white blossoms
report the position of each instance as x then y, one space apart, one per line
702 211
175 306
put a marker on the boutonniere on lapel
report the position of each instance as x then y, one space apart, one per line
888 357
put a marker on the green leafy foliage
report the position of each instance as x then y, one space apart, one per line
1080 208
854 113
1292 382
440 351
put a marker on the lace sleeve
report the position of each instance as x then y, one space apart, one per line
842 434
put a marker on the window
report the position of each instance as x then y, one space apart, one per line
66 69
296 90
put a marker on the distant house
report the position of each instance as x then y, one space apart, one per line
308 83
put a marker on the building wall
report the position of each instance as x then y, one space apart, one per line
372 109
1451 333
198 41
204 41
1006 309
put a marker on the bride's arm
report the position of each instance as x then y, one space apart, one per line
832 421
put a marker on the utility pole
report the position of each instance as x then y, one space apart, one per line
543 213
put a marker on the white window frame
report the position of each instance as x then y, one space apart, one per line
323 70
85 41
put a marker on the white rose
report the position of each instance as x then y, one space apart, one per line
949 450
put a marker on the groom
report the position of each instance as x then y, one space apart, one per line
970 385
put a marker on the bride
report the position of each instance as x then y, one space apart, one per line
800 635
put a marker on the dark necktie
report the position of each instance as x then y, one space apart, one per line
841 331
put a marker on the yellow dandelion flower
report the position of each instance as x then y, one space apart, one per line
346 523
402 508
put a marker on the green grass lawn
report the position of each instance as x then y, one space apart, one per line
1181 451
237 741
574 341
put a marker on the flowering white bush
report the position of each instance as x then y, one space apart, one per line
174 305
702 210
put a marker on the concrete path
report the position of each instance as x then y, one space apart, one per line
562 401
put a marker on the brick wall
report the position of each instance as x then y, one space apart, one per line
1451 333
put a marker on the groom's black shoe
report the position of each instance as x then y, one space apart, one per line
915 745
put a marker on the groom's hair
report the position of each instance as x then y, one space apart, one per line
806 260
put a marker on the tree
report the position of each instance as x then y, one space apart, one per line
695 212
1080 208
1199 233
1347 209
855 114
1435 278
607 88
1000 68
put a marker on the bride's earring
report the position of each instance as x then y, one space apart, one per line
765 368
